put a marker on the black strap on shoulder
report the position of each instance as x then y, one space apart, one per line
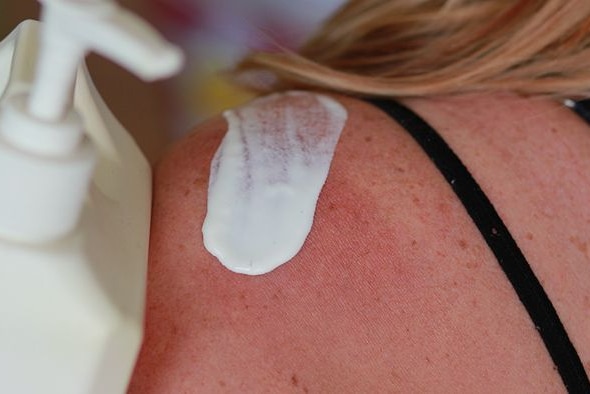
582 108
513 263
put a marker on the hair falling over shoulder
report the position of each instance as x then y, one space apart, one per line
433 47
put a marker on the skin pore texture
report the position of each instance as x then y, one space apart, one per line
394 289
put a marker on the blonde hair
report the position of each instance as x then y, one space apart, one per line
433 47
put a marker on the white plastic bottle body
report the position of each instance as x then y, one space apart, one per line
72 309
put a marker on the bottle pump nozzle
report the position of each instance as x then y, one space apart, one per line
45 161
71 28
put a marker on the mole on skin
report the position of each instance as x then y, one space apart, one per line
266 177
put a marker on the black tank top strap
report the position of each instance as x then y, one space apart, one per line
496 234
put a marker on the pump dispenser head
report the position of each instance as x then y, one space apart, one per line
72 28
46 161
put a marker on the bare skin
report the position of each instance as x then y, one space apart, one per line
394 290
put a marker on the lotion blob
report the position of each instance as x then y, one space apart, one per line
266 177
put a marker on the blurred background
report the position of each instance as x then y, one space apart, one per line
214 35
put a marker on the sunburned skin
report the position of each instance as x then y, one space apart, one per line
394 290
266 178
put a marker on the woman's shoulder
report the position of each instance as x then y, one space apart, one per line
394 286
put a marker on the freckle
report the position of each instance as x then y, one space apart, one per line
443 207
331 206
182 247
199 180
399 169
472 264
463 244
581 246
415 200
187 192
294 380
553 130
529 236
414 242
368 138
222 383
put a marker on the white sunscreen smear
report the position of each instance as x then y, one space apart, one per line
266 178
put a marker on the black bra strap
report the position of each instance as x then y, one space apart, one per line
513 263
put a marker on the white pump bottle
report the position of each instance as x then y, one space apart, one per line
75 197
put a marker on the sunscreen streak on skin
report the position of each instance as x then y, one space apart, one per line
266 177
